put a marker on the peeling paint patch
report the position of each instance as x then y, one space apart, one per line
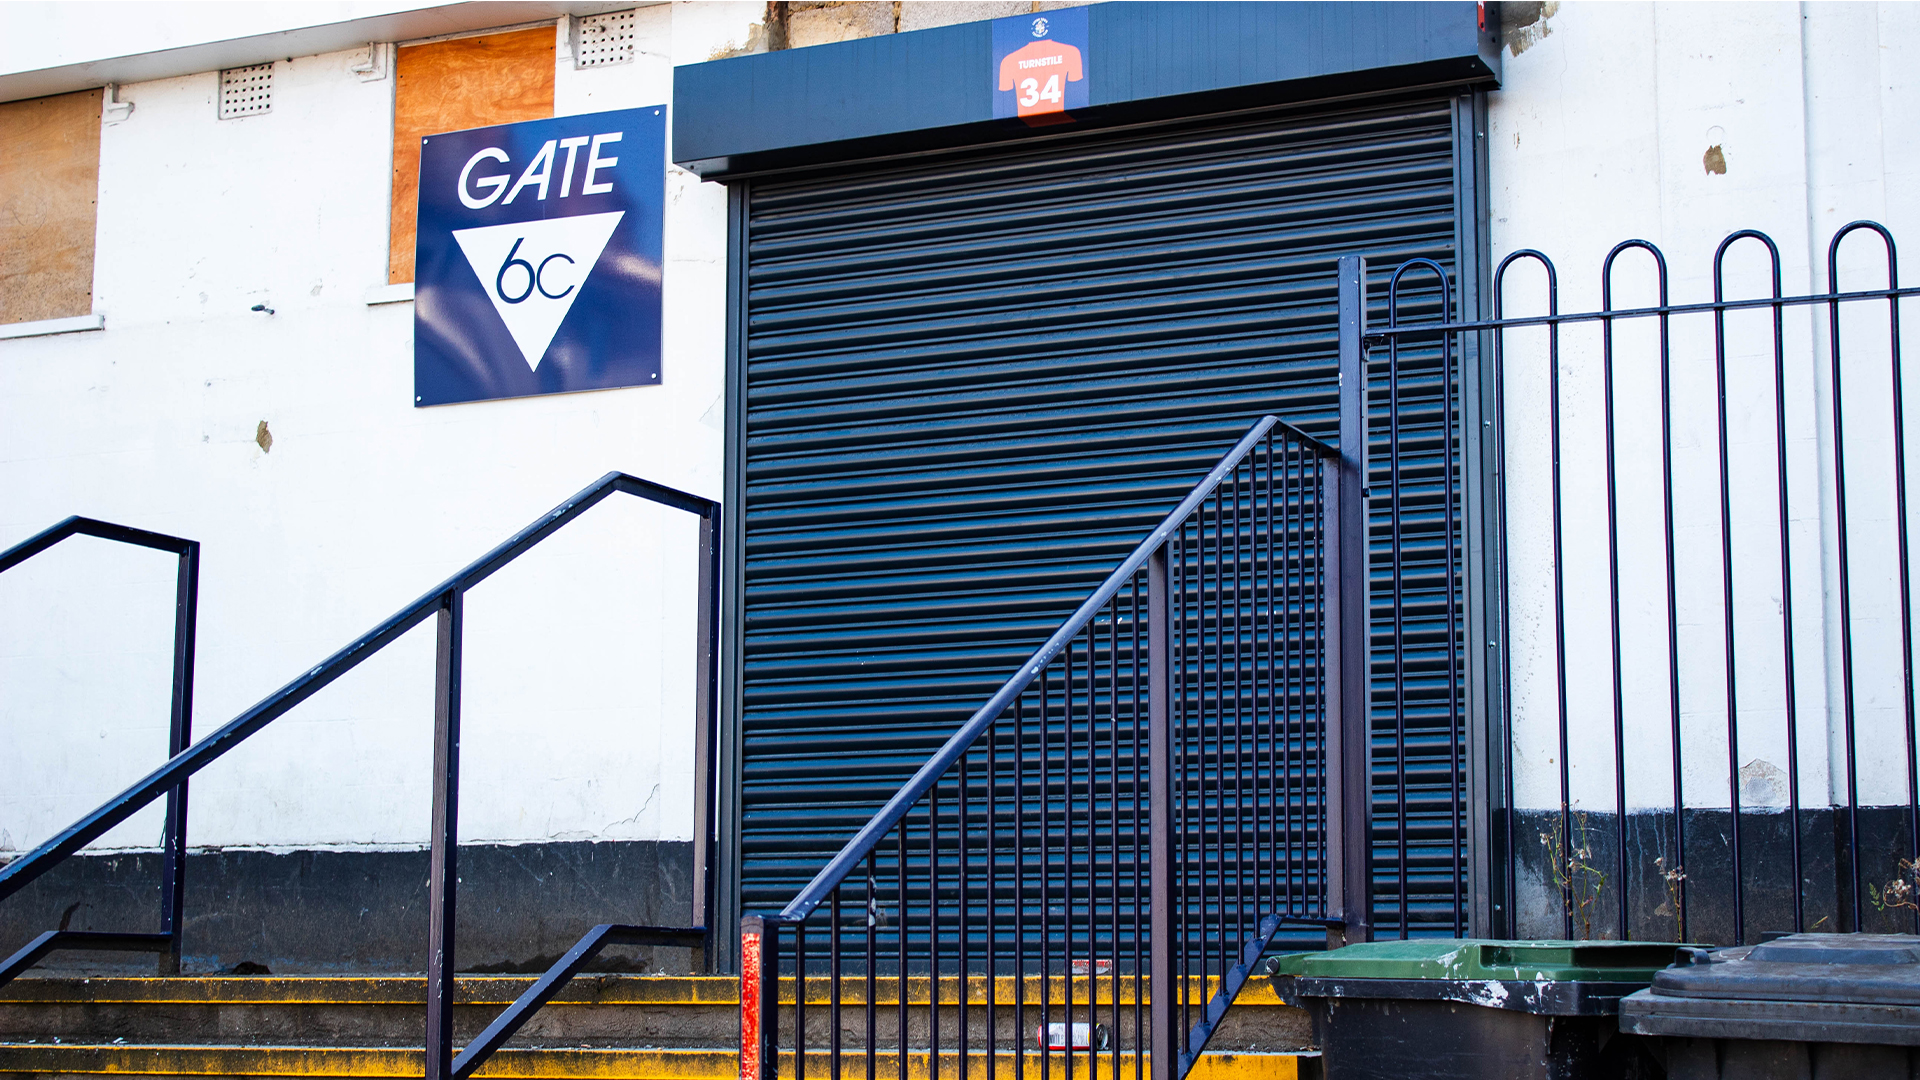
1763 784
1715 160
757 42
1488 993
263 438
821 22
1524 24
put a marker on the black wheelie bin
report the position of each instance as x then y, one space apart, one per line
1799 1007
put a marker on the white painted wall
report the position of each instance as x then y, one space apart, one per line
579 687
1599 134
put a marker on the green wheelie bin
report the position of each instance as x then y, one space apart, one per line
1452 1009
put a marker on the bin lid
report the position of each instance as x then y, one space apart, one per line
1546 978
1882 969
1481 960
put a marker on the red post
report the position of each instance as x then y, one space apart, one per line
752 930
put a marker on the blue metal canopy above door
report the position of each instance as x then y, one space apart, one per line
932 89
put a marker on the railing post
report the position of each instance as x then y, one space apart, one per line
173 878
1165 1041
706 727
443 870
1349 768
760 1000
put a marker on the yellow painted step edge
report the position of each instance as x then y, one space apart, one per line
527 1064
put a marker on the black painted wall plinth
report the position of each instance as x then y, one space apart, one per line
340 912
1766 855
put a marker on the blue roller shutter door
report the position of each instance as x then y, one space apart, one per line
972 383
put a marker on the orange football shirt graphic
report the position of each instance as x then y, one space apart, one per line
1038 73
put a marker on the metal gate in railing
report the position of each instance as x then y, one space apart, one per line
1699 625
1145 803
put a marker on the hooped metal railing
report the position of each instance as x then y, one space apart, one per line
1795 485
1116 835
186 600
445 603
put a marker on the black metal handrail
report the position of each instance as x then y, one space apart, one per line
445 602
1693 866
891 814
179 733
1045 821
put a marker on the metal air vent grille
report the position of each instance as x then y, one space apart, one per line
246 91
602 40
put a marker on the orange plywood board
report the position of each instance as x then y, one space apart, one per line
49 187
450 86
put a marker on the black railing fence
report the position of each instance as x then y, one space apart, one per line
1144 803
1416 766
1683 548
446 605
1699 632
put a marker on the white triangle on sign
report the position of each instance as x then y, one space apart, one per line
533 271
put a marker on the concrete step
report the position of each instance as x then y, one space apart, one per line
365 1011
602 1025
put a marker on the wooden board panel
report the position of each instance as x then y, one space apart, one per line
450 86
49 187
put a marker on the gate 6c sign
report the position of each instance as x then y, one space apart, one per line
537 266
